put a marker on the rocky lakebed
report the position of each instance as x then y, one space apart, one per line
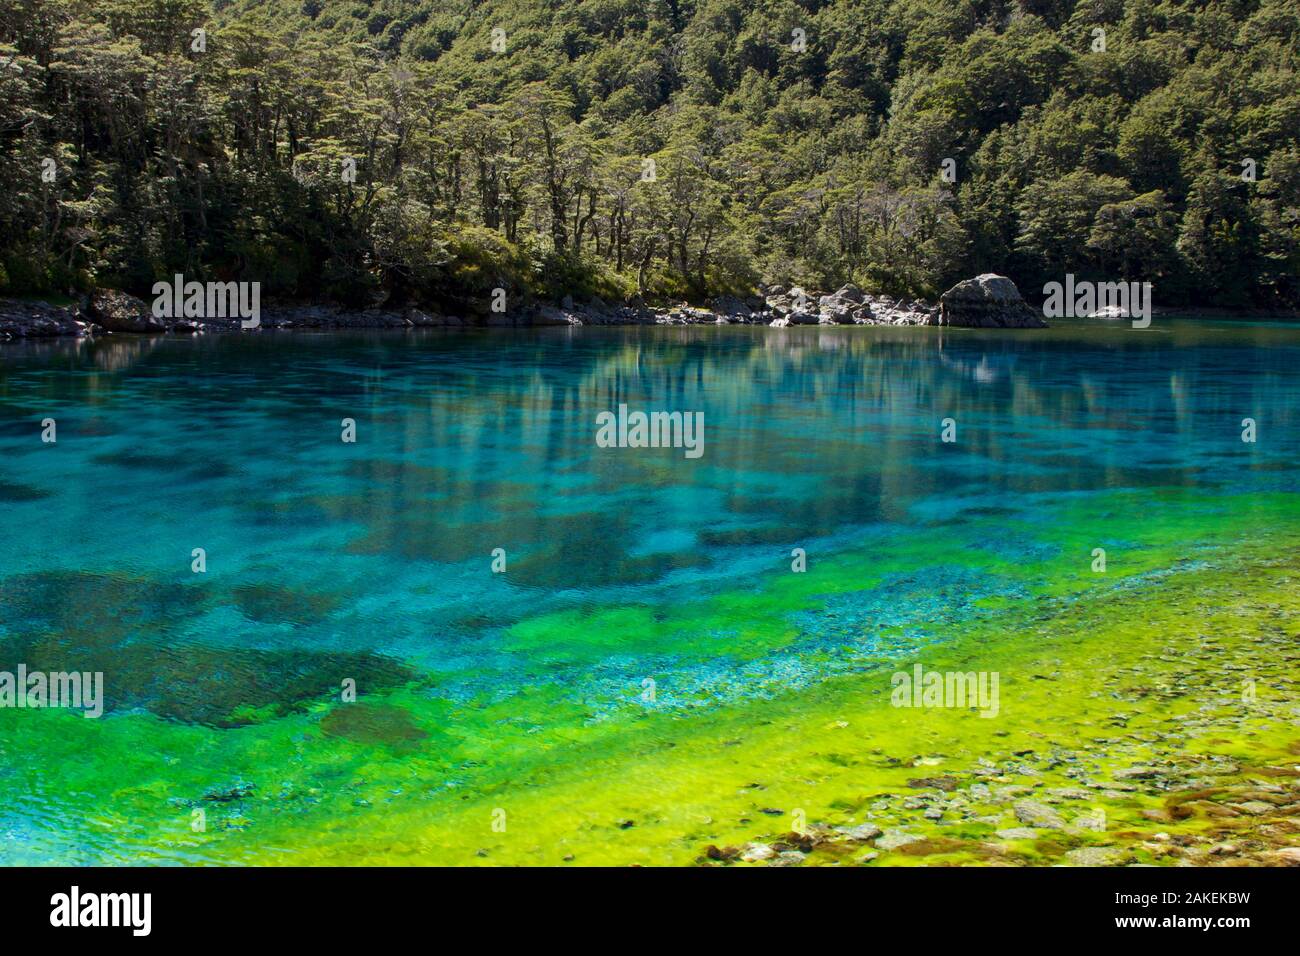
1182 752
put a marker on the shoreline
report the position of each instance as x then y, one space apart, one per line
118 313
41 319
984 301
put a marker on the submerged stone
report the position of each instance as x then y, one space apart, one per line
14 492
273 604
126 628
368 723
1095 856
236 791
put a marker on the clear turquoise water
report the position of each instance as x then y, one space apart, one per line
373 560
468 443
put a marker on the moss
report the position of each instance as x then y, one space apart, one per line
127 628
367 723
1100 675
273 604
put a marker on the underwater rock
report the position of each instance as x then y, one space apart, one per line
126 626
747 537
1068 793
236 791
107 606
1136 773
1095 856
1034 814
368 723
1253 807
553 568
893 839
1017 833
803 842
724 854
860 833
273 604
757 852
788 858
14 492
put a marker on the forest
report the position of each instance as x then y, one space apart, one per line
431 151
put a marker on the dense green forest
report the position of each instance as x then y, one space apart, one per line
429 151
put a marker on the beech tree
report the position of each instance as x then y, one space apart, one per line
401 153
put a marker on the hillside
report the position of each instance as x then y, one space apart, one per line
432 152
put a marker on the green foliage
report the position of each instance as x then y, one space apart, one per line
508 144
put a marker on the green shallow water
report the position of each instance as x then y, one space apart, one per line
524 696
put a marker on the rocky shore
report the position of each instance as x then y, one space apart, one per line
986 301
1172 759
1000 812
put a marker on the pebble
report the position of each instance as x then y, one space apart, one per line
1018 833
1094 856
893 839
860 833
1036 814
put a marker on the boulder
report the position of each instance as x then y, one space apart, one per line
1034 814
860 833
780 304
731 307
838 308
851 293
988 301
801 299
550 315
39 320
419 319
837 314
893 839
119 312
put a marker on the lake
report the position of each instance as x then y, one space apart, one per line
564 652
